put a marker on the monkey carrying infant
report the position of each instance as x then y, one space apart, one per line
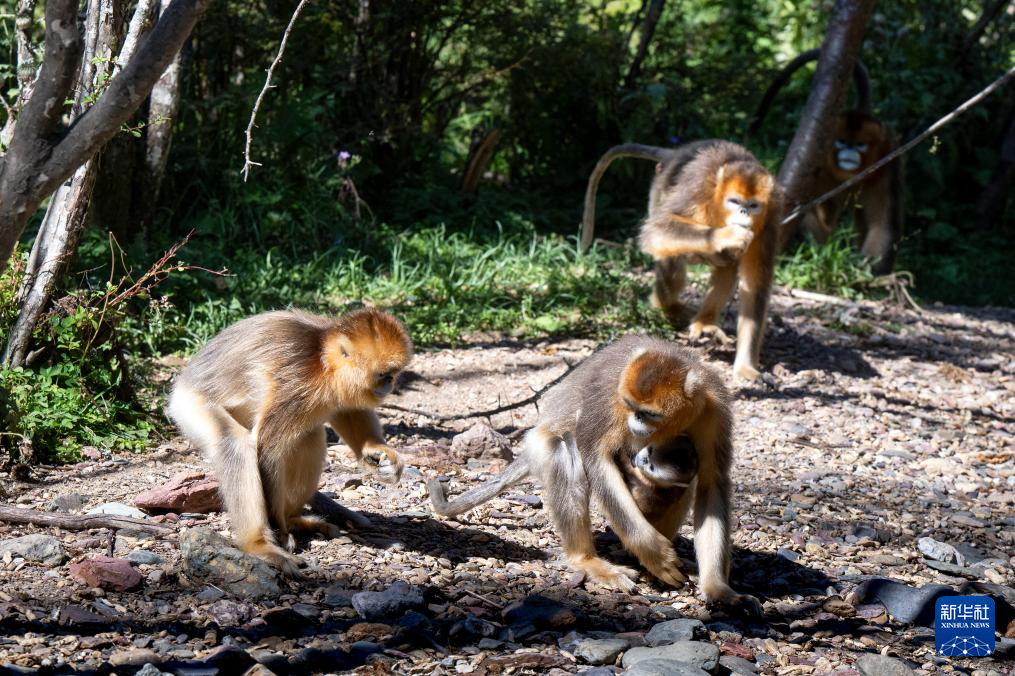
644 428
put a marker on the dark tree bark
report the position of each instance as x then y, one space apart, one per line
41 155
990 207
648 29
839 51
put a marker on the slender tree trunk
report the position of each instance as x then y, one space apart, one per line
648 29
162 111
804 160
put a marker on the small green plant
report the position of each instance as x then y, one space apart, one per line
835 268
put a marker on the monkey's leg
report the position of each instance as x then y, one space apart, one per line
295 476
755 288
362 431
879 238
670 277
707 320
231 450
566 496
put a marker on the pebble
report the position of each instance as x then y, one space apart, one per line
134 657
140 557
701 655
656 666
671 631
69 502
118 509
939 551
880 665
601 650
210 558
737 665
44 549
909 605
392 602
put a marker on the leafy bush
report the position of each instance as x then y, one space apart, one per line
834 268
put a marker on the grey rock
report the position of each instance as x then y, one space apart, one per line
393 601
738 665
44 549
879 665
953 569
598 671
671 631
906 604
965 520
149 670
142 557
701 655
69 502
971 554
118 509
657 666
600 650
230 614
481 441
134 657
531 500
210 595
788 554
939 551
861 531
338 597
209 558
489 644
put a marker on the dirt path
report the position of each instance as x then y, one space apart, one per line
883 427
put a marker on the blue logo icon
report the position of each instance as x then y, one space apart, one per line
964 626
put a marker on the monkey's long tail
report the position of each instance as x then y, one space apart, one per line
635 150
514 473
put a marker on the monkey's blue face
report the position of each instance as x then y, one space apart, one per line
741 211
849 155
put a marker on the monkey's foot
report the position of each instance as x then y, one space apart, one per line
315 524
707 329
745 371
730 600
276 557
605 573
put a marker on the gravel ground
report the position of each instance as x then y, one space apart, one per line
883 426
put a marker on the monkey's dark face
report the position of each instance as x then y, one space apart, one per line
849 154
670 464
857 137
384 383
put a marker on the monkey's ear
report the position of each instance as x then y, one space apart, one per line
719 174
693 383
344 345
767 184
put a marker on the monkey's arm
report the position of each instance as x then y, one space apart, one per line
361 430
640 538
669 235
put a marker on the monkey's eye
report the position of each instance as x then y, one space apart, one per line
753 206
840 144
735 201
646 416
862 147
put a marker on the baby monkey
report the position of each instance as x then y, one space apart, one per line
255 400
644 427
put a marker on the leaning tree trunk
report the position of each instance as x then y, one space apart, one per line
43 153
804 159
65 218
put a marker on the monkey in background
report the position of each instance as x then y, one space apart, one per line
710 202
858 140
590 442
255 400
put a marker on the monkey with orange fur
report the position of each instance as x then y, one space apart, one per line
644 428
712 202
255 400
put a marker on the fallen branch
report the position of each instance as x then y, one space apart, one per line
817 297
490 411
247 162
83 522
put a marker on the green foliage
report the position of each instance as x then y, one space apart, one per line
834 268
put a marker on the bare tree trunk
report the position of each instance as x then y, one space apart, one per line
65 218
162 111
42 154
994 198
648 29
804 160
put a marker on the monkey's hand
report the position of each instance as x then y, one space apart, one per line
665 564
744 604
384 462
699 329
731 238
